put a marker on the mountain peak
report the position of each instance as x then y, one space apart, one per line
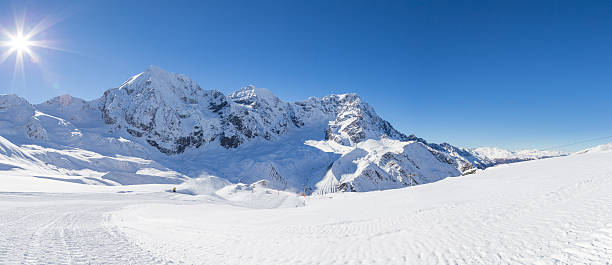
157 73
12 98
156 69
13 107
250 94
159 81
348 96
65 99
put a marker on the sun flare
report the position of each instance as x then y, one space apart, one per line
20 43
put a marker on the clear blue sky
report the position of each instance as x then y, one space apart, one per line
512 74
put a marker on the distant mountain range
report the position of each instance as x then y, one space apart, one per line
162 127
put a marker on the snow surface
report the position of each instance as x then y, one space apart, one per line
597 149
204 185
550 211
381 164
498 155
81 166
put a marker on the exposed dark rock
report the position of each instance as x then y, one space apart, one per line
230 142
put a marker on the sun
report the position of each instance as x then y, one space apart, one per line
20 43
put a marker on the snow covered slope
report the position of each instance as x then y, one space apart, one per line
249 135
80 166
550 211
382 164
597 149
494 155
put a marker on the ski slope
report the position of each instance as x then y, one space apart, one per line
550 211
67 229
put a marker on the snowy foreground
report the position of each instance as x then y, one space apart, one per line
556 210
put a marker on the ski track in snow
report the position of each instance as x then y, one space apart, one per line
65 229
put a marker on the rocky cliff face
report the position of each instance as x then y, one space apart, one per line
352 121
169 111
173 113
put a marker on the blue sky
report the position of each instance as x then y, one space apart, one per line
512 74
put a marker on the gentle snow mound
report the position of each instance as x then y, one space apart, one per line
597 149
205 185
258 195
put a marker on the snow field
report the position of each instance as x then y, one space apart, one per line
553 211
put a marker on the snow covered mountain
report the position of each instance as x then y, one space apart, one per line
82 166
597 149
336 142
494 155
173 113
